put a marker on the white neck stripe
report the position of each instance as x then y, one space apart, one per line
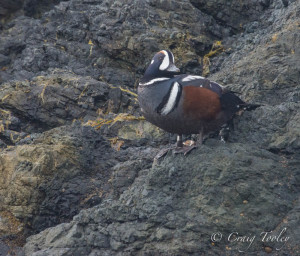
155 80
173 57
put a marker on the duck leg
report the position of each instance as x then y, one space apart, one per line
179 142
225 130
185 149
200 137
177 148
180 148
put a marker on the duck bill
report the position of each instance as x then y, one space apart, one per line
173 68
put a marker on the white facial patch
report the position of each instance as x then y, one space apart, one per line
191 78
172 99
166 62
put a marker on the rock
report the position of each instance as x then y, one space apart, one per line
268 249
9 6
34 8
176 206
10 250
142 130
76 157
39 180
53 100
4 60
268 83
233 13
285 3
274 73
2 144
51 176
272 127
130 130
76 36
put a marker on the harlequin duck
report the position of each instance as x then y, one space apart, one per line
184 104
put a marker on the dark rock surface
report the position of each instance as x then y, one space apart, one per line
33 8
232 13
52 100
7 7
71 135
175 207
104 38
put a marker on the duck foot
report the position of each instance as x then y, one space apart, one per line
184 150
163 152
188 146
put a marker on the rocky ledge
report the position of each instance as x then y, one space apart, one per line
77 175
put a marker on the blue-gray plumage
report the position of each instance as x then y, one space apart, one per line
184 104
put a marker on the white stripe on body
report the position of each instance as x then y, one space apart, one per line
172 99
221 86
191 78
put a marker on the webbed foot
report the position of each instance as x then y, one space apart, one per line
163 152
187 147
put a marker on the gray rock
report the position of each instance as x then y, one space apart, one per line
7 7
36 8
73 144
86 37
233 13
46 174
2 144
218 188
52 100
